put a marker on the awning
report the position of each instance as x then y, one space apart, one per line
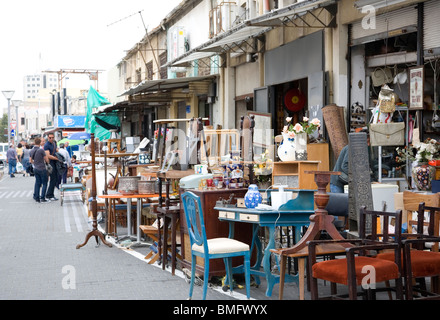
229 40
299 15
235 38
164 85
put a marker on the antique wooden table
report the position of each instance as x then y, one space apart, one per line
295 212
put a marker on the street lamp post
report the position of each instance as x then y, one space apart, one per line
8 95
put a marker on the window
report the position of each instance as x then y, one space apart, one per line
149 67
163 61
139 75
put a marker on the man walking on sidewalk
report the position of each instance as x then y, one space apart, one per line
50 148
12 158
39 159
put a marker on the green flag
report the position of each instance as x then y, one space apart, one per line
94 101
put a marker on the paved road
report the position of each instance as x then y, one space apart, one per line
39 259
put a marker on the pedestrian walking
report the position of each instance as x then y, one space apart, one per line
19 152
25 160
12 158
50 148
64 167
39 158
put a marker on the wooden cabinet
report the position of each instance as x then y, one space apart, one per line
319 152
214 229
291 173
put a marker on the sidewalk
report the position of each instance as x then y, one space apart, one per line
39 259
39 256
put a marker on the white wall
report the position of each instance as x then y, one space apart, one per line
196 24
248 78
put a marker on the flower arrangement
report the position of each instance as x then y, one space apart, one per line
303 127
422 152
263 165
156 133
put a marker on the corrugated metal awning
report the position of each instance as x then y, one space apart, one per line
287 15
234 38
221 43
164 85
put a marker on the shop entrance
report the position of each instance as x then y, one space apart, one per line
291 100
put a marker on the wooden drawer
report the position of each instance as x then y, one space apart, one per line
249 217
226 215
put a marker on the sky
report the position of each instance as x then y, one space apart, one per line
38 35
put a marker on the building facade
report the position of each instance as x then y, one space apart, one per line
225 60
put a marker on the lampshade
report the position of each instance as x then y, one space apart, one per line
16 103
8 94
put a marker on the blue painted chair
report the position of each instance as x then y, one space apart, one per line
213 248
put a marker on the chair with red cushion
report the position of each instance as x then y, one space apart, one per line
420 262
357 267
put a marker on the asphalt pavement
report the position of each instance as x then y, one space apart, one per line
39 259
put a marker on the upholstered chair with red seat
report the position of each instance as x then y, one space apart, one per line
421 258
360 267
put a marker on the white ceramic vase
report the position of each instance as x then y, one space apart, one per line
286 150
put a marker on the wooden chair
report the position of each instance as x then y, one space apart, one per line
152 232
100 204
350 270
419 262
215 248
411 201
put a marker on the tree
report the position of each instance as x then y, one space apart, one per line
4 128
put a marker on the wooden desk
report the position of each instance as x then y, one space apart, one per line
111 215
296 212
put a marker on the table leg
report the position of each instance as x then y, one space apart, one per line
129 217
112 218
301 273
167 186
173 243
270 279
159 236
160 193
256 243
165 242
138 242
282 275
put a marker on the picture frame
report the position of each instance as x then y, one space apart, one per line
263 133
416 77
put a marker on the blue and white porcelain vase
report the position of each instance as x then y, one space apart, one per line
252 197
